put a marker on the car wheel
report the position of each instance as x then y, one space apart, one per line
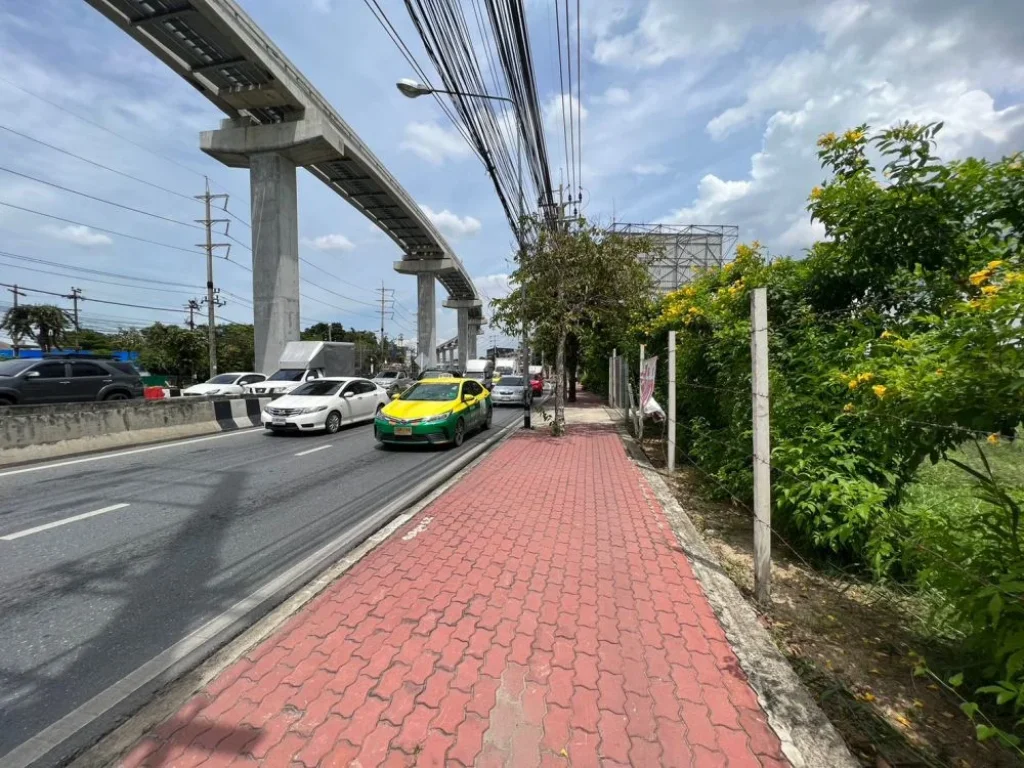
6 401
488 418
117 396
333 423
460 433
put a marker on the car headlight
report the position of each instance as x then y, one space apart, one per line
212 391
437 418
316 409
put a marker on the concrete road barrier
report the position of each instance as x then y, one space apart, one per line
38 432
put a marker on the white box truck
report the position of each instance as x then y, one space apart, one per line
506 366
305 360
482 370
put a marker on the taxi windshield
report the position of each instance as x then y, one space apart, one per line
435 393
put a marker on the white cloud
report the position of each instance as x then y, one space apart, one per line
79 235
434 143
452 224
614 96
552 111
333 242
880 64
650 169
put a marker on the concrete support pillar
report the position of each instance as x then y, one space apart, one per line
426 311
272 153
463 335
275 256
475 329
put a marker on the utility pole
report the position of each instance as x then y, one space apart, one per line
15 340
192 307
385 300
212 301
75 295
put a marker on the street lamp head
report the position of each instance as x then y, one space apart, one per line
412 89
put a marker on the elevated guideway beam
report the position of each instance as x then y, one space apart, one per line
274 110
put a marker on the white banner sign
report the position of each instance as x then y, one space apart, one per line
647 373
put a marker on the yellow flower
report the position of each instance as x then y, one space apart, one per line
727 267
853 135
853 384
827 140
981 276
848 408
879 390
816 193
993 439
990 290
994 265
866 377
887 334
939 372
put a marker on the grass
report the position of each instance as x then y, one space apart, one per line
946 489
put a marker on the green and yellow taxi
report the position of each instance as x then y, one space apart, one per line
435 412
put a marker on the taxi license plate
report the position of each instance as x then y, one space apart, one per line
403 431
278 422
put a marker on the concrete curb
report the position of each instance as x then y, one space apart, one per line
808 739
87 735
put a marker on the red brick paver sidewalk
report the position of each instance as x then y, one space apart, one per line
539 613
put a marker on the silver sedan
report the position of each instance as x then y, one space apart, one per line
511 390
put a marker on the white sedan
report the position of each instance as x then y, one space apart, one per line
224 384
325 404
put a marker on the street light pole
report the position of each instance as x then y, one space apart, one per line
413 90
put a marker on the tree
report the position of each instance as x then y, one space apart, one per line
575 277
45 323
236 347
172 350
100 344
128 339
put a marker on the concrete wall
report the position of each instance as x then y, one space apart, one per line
37 432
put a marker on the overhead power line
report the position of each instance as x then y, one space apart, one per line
96 164
91 271
496 132
86 298
62 188
102 127
100 229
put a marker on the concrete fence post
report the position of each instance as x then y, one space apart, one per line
671 401
762 448
612 379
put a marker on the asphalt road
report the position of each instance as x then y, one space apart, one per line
206 522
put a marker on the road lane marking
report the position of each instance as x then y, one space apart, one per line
313 450
57 523
162 446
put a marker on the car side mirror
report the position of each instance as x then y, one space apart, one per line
467 398
396 396
347 395
32 375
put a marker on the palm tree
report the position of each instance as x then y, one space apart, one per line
45 323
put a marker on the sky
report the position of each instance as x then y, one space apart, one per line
693 112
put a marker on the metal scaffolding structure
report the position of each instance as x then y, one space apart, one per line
681 249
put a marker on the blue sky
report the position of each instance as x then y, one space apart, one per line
695 111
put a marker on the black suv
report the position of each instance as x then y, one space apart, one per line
31 381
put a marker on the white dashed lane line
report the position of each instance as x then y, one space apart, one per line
58 523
